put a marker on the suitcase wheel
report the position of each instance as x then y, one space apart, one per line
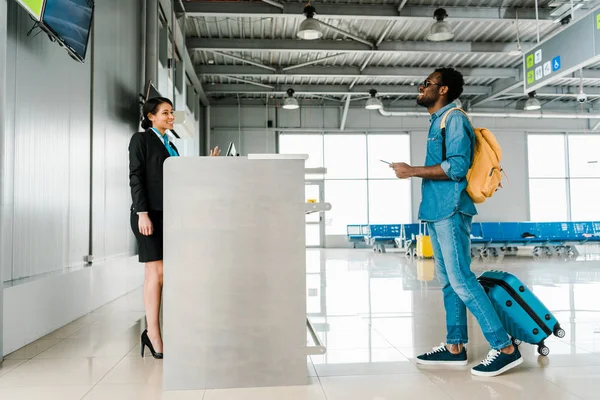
543 350
560 333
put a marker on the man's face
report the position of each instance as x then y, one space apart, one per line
429 90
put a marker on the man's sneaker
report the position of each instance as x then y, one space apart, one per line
497 363
441 356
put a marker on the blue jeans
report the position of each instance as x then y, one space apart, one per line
451 243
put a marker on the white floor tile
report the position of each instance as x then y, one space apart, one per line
45 393
80 348
8 365
313 391
140 392
142 371
64 332
581 381
517 384
59 372
351 356
33 349
382 387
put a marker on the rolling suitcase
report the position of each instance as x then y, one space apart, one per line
424 248
524 316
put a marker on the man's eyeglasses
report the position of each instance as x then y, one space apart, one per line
427 83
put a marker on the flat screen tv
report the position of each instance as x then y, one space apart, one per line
33 7
70 21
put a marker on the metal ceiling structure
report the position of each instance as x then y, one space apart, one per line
248 49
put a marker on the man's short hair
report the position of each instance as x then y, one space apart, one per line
454 80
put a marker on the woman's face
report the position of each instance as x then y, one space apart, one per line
164 117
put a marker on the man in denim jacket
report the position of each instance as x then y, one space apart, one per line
448 211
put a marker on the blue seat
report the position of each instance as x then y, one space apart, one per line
567 231
550 232
477 233
384 233
492 232
532 228
511 233
596 228
583 231
355 233
410 230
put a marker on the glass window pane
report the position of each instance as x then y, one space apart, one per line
346 156
548 200
313 235
546 156
584 199
584 156
348 205
310 144
391 148
389 201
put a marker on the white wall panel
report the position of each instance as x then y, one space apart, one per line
50 132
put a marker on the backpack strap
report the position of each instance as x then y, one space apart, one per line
443 126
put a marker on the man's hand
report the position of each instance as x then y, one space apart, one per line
402 170
215 152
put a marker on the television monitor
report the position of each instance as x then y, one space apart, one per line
231 150
70 21
33 7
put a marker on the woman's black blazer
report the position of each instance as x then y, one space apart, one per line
147 153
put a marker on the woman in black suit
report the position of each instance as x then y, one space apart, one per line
147 152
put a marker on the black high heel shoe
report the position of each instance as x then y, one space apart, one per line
146 342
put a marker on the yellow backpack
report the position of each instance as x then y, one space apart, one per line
485 175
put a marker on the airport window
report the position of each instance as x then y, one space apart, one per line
348 200
346 156
564 175
311 144
360 187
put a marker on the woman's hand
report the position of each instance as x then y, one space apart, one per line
145 225
215 152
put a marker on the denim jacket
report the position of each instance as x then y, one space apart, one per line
440 199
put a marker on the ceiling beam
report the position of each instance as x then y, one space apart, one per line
514 88
348 72
553 91
359 11
499 88
347 46
337 90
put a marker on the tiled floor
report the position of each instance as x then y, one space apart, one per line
374 313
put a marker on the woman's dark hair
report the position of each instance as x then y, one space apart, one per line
151 106
454 80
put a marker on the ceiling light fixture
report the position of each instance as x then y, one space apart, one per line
310 29
440 31
290 102
373 103
532 104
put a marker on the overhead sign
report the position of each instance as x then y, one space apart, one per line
575 47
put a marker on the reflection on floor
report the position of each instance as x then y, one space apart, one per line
374 313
